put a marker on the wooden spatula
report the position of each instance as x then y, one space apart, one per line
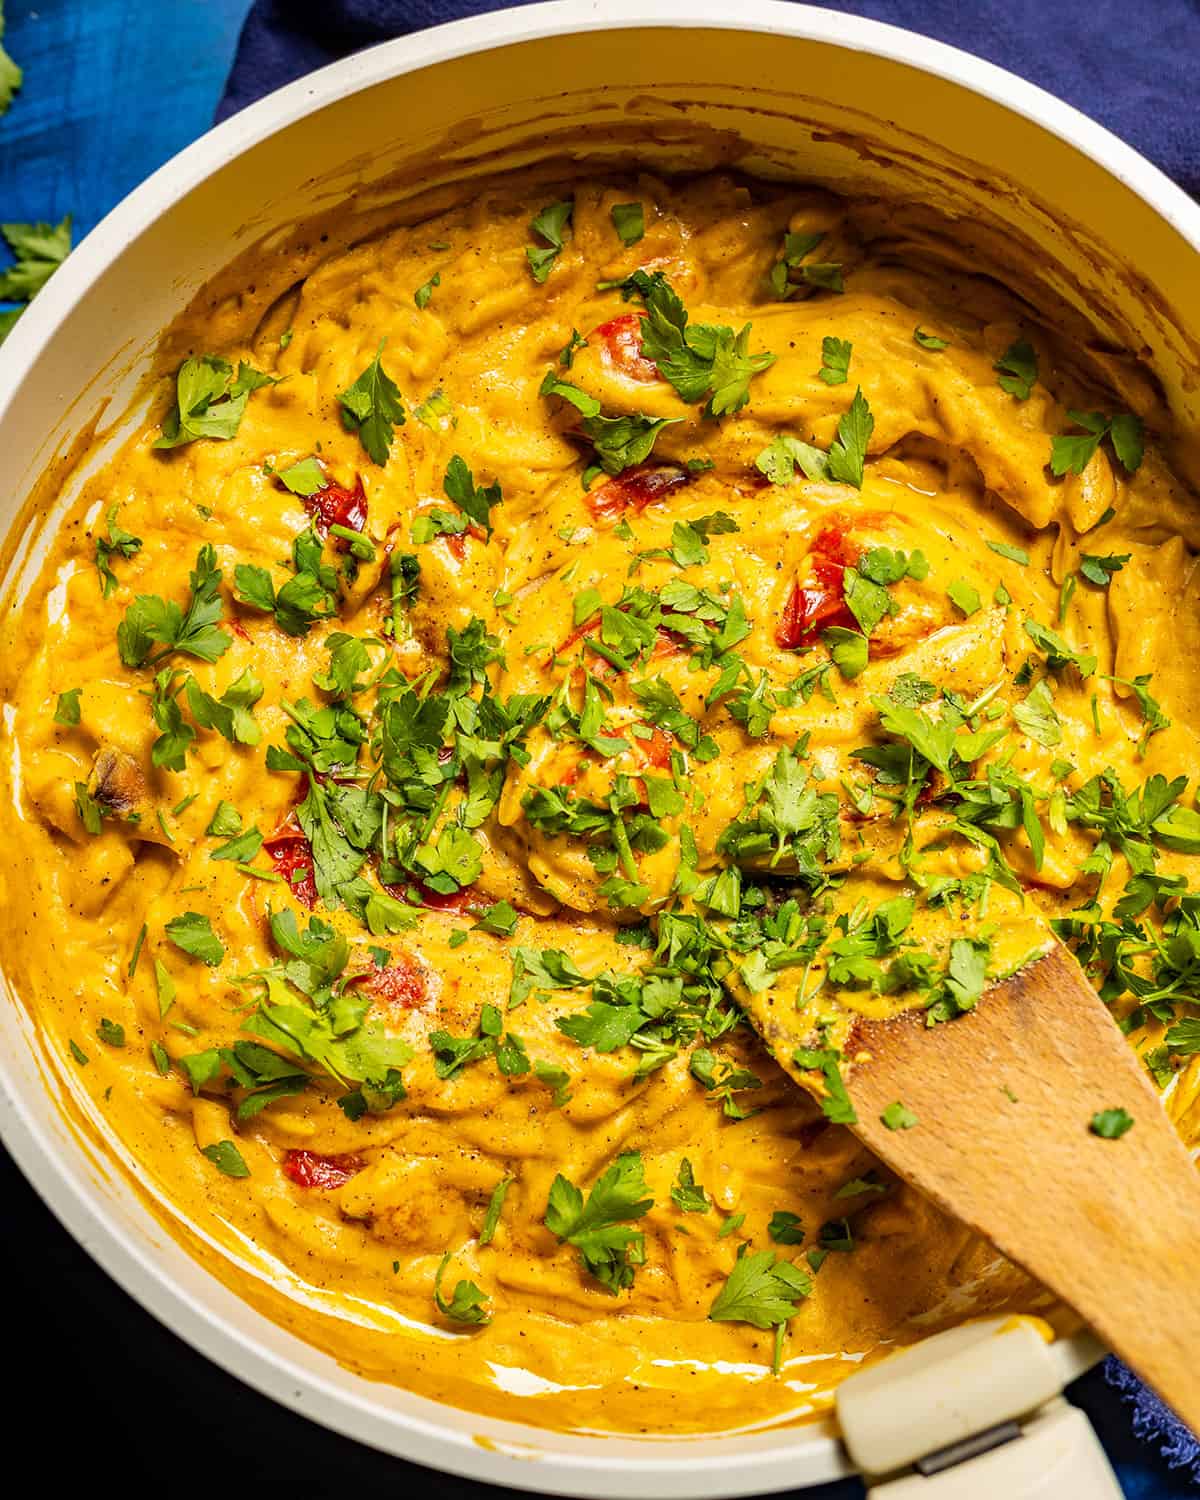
1004 1097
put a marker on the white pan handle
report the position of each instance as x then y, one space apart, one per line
974 1413
1057 1455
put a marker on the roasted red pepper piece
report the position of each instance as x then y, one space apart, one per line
309 1169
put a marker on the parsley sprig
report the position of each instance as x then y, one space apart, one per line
599 1227
192 629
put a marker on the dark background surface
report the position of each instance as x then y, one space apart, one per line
100 1391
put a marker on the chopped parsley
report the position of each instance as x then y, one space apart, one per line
210 400
192 934
226 1157
700 360
629 220
599 1228
192 630
466 1305
372 407
1018 367
118 543
66 711
794 272
1071 454
1111 1124
897 1117
835 360
552 224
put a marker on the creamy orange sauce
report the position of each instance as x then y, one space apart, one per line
342 1218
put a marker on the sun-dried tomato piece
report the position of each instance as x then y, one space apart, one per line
334 505
635 489
815 607
434 900
310 1169
669 643
401 984
820 602
656 751
292 856
620 344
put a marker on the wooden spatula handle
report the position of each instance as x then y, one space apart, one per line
1004 1097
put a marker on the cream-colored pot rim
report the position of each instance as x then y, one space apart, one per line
203 1313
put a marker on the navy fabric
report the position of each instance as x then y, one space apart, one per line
1131 64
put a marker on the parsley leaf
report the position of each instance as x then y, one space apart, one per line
10 73
1099 570
1153 716
39 248
785 1228
1111 1124
598 1228
785 455
1071 454
193 630
192 934
424 292
697 359
1037 716
1018 367
308 596
929 340
304 478
834 1101
897 1117
603 1027
118 543
848 453
835 360
111 1033
66 711
761 1290
226 1157
826 275
495 1208
686 1194
336 859
964 596
551 225
629 220
1057 652
467 1303
1014 554
209 400
473 500
620 442
372 408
